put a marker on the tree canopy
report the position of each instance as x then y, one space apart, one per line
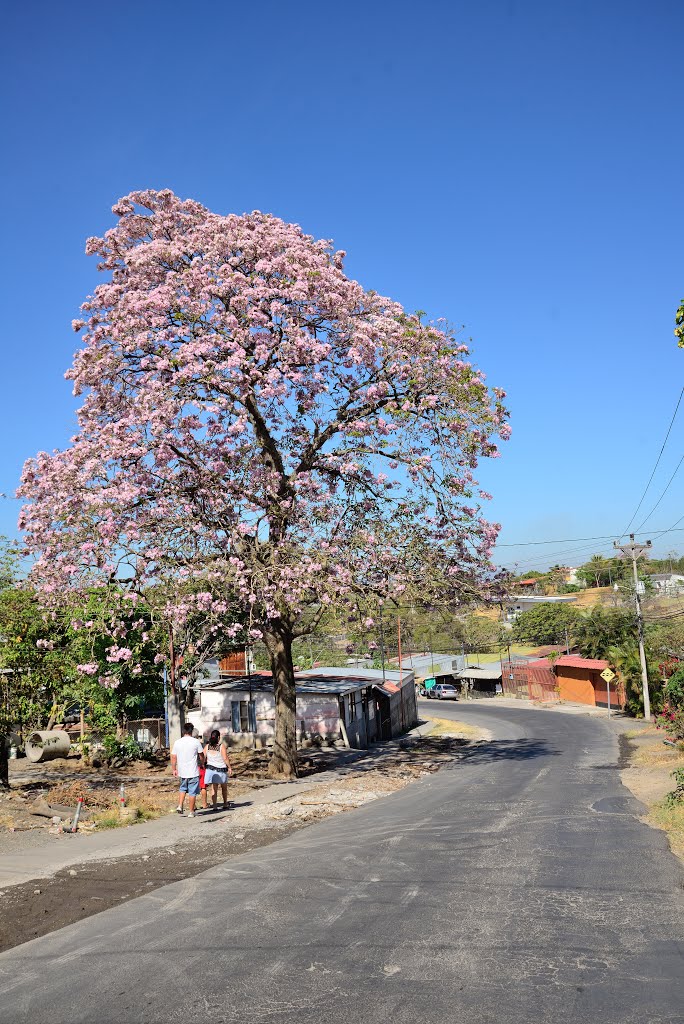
252 414
546 623
601 629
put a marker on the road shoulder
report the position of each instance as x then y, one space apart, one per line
647 763
84 875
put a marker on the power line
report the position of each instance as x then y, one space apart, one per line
667 487
571 555
569 540
566 557
671 529
664 617
660 454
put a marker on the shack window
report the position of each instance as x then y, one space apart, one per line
242 716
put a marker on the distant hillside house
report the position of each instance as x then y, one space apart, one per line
667 584
520 603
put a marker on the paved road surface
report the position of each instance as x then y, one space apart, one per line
516 887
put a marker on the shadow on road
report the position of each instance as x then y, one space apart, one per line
505 750
447 752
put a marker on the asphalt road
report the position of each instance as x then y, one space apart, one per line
517 886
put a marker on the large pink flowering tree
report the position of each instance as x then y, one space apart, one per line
253 415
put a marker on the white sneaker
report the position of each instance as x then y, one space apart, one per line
190 814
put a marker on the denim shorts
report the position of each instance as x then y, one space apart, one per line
190 786
215 775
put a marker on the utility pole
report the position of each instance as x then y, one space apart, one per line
634 551
382 648
399 646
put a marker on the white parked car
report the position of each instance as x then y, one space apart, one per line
443 691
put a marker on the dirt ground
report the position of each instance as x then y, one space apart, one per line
149 787
649 763
43 905
39 907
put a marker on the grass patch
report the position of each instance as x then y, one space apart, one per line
670 818
475 659
446 727
111 818
656 755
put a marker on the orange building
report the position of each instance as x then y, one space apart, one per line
579 680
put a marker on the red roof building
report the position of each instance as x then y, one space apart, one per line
579 680
568 678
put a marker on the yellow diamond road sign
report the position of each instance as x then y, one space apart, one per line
607 675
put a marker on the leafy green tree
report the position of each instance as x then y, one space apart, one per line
672 563
601 629
545 624
665 639
31 658
679 325
601 572
627 664
34 654
112 676
481 633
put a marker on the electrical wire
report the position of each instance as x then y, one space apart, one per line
667 487
671 529
660 455
570 540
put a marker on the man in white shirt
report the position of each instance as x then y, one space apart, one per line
186 761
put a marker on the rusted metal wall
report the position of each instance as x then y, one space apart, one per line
529 682
234 664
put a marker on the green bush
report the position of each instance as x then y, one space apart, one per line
127 749
671 717
676 796
674 689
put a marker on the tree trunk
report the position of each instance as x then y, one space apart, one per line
175 710
176 717
4 763
283 761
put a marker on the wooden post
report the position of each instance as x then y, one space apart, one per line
399 642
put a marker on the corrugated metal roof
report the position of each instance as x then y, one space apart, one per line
366 675
387 689
263 683
574 661
486 672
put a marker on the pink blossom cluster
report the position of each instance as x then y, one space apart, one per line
251 413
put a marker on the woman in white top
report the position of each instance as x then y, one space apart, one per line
217 769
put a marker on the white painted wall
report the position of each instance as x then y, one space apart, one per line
319 713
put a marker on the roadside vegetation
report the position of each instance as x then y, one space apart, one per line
655 775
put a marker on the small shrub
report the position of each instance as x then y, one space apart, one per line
109 819
671 721
675 798
127 749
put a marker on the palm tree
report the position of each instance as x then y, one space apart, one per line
627 664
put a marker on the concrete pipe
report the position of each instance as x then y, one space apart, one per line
45 746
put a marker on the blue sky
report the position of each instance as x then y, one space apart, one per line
514 167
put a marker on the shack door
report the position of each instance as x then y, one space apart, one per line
384 717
